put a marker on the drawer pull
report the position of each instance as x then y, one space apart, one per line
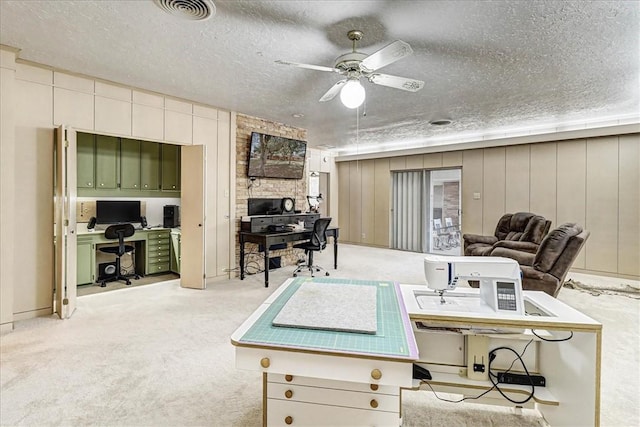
288 420
374 387
288 378
288 394
265 362
373 403
376 374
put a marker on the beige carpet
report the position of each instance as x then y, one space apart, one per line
160 355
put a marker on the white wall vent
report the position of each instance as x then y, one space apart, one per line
192 10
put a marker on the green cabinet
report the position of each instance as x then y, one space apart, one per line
85 160
107 148
85 260
129 164
158 255
170 167
150 165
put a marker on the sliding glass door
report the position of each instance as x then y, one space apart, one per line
425 213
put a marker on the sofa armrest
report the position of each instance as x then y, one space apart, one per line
523 258
476 238
529 247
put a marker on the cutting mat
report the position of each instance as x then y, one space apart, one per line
330 306
392 338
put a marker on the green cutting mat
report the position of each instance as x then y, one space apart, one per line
389 340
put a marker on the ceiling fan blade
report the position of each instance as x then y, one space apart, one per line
387 55
396 82
308 66
333 91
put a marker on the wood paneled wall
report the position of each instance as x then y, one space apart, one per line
594 182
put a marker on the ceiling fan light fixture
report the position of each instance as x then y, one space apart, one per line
352 94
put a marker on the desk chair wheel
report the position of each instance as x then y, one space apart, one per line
295 275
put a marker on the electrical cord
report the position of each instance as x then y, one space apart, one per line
553 340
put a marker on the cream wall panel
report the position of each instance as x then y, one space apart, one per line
517 179
112 91
149 99
451 158
472 173
112 116
74 83
572 174
34 74
224 116
493 202
147 122
178 127
179 106
207 112
415 162
629 206
542 198
344 202
8 59
73 108
602 204
382 185
355 193
398 163
8 218
432 161
34 178
368 201
223 169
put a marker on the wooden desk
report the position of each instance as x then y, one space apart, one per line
268 239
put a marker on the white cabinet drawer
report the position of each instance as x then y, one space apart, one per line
331 367
334 397
288 413
342 385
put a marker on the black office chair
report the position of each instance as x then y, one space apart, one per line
118 231
317 243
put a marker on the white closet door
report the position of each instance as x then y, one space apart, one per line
192 217
65 222
407 211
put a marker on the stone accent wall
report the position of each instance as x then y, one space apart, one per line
451 200
265 187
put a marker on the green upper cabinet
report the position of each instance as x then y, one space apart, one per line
129 164
149 165
107 162
170 167
85 160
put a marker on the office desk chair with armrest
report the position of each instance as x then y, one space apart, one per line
118 231
316 243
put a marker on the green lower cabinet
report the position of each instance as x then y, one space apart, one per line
158 252
85 262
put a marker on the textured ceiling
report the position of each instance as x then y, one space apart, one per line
492 67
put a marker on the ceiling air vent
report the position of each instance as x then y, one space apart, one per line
193 10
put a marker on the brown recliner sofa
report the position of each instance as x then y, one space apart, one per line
522 231
546 269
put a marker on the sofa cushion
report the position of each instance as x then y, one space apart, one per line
553 245
535 230
512 227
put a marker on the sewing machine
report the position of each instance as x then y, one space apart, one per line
499 278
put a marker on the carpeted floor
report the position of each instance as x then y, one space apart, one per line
160 355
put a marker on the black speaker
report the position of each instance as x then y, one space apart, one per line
106 270
143 221
92 223
274 263
171 216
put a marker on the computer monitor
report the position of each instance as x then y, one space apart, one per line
117 211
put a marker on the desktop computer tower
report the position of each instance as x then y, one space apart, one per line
171 216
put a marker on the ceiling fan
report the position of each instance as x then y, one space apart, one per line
355 65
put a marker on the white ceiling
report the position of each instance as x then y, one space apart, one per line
492 67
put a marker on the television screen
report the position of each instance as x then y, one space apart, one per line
276 157
117 211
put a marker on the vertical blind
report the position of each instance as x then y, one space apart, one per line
407 217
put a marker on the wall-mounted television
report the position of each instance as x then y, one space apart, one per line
117 211
276 157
